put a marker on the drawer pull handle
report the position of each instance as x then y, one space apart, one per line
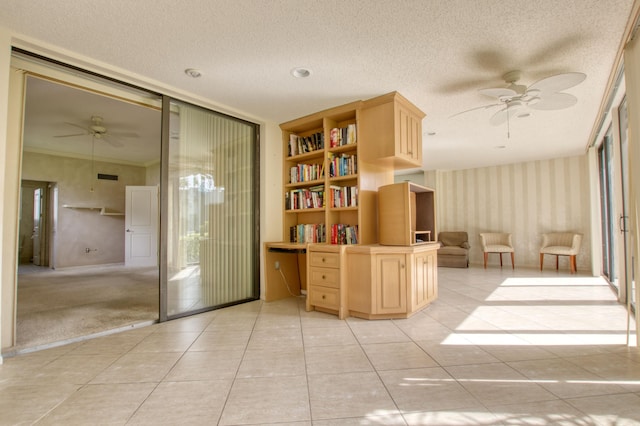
324 296
323 277
323 260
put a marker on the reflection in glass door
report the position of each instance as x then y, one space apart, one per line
211 193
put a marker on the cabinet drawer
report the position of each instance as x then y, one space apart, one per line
324 277
325 297
327 260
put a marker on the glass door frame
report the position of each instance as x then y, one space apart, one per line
164 214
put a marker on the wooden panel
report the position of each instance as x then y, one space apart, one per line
394 223
391 284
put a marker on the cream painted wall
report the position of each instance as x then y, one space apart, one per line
81 229
7 272
526 199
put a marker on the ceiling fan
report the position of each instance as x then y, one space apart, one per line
516 100
98 130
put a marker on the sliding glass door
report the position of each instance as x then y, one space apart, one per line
211 193
609 258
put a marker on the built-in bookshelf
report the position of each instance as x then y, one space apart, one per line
335 161
321 177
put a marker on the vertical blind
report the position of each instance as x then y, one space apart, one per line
210 229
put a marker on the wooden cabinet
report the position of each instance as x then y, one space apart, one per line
393 126
406 214
391 282
326 289
334 162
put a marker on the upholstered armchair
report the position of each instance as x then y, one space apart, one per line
454 249
561 244
500 243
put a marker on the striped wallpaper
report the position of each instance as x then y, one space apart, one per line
526 199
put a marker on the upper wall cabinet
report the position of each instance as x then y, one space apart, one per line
393 127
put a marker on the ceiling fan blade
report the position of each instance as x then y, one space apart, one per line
71 135
113 142
512 111
559 82
498 92
125 134
476 108
76 125
555 101
499 117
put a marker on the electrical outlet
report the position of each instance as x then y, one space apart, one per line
277 265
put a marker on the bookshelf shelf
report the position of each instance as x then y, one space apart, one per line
304 184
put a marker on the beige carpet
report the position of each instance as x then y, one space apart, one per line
55 306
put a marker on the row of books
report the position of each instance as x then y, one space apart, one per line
303 144
344 234
306 172
305 198
343 165
343 196
308 233
342 136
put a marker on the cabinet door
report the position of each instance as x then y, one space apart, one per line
423 288
391 284
408 141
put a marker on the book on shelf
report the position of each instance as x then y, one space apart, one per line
305 198
342 164
293 145
303 144
306 172
344 234
343 196
308 233
340 136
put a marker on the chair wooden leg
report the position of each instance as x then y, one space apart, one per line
557 262
541 260
572 263
513 263
485 259
501 259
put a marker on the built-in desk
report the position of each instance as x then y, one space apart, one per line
290 278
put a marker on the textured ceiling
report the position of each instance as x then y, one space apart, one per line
437 53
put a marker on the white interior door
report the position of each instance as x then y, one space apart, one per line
37 220
141 226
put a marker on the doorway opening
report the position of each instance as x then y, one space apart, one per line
82 149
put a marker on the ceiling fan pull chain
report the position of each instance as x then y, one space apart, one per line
508 124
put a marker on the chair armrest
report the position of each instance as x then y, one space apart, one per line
465 245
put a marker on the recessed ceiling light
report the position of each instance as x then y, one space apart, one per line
192 72
524 115
300 72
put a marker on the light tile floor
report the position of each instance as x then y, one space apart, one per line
498 347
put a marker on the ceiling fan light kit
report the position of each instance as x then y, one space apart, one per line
545 94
